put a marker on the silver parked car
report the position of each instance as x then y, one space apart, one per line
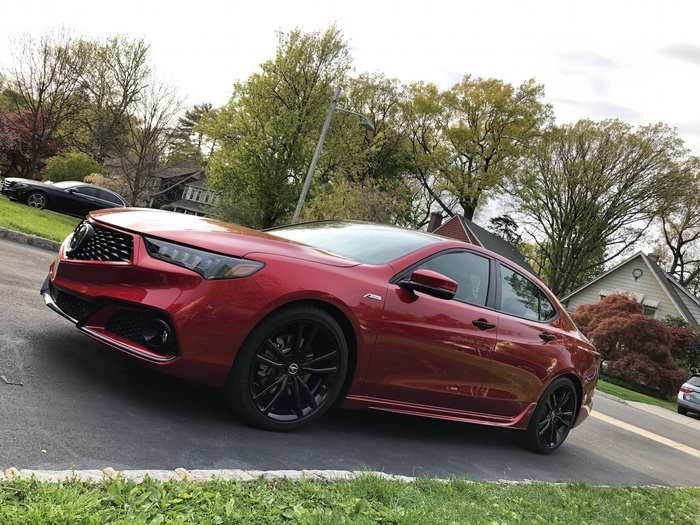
689 396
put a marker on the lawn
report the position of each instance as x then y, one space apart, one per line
44 223
631 395
364 500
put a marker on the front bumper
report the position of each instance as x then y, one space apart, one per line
688 404
209 319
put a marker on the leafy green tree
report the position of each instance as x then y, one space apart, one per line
588 191
467 140
70 165
189 141
267 131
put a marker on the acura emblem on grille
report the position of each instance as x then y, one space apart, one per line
81 234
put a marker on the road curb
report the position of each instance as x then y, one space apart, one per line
31 240
198 476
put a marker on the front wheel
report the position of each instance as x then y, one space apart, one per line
553 418
290 370
37 199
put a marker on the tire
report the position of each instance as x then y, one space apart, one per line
682 411
38 200
290 370
547 432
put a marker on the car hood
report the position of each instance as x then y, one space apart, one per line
213 235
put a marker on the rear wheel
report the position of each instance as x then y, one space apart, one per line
290 371
682 411
553 417
37 199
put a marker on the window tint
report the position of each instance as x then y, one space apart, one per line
86 190
365 243
520 297
469 270
108 196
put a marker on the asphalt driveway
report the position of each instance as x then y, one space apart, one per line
66 402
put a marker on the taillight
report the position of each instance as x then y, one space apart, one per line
686 389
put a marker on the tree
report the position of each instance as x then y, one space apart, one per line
468 139
112 80
189 139
635 348
70 165
506 228
267 131
588 191
148 135
46 76
680 227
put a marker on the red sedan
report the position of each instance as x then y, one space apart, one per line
296 319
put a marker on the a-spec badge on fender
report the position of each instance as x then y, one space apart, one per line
372 296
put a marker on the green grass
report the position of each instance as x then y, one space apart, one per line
364 500
44 223
631 395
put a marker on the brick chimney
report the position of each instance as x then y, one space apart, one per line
435 221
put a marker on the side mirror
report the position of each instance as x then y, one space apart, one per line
431 283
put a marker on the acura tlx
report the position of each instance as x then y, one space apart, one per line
294 320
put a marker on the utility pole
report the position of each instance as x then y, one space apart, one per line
317 155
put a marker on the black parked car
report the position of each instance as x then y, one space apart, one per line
72 197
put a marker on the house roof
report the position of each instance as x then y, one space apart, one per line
481 237
187 205
668 284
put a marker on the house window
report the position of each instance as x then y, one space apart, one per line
649 311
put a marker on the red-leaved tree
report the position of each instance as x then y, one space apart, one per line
636 348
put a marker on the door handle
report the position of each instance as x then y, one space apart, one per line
483 324
546 336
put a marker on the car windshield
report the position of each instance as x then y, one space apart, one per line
365 243
66 184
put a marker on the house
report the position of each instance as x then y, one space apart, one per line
164 185
196 199
641 277
463 229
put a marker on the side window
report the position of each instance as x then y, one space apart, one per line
108 196
521 297
86 190
469 270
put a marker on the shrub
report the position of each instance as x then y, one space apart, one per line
637 348
70 165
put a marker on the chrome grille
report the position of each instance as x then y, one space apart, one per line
104 245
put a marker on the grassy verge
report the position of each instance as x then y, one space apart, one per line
43 223
364 500
631 395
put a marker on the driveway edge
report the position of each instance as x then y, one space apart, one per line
198 476
32 240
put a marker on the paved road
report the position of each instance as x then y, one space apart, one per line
81 406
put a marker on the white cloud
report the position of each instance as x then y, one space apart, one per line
635 60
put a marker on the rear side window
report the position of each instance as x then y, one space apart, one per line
469 270
108 196
522 298
695 381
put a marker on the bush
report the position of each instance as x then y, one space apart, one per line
638 349
70 165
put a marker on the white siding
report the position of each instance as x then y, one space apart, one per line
692 305
621 280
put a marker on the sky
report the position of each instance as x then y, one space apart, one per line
634 60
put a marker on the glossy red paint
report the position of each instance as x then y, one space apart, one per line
414 353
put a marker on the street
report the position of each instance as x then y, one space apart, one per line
67 402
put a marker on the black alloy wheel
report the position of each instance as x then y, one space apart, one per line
295 366
553 418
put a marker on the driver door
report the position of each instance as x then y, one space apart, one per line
437 352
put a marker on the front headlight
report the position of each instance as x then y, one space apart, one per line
207 264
